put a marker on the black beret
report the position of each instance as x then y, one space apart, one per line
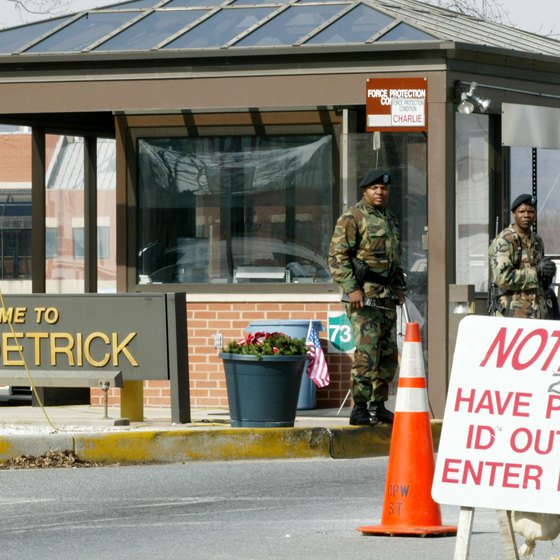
375 177
524 199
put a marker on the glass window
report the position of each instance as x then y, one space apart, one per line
220 28
291 25
405 32
83 32
472 184
548 205
151 30
258 2
356 26
240 209
51 242
14 39
548 187
78 242
65 210
15 234
189 3
103 242
404 155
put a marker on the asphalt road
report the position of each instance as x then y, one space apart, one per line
273 510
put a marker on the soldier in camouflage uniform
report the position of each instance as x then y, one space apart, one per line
365 260
519 268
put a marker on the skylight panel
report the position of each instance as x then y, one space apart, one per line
192 3
151 30
83 32
12 40
220 28
405 32
290 26
356 26
258 2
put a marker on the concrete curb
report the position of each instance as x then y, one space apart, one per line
33 445
220 444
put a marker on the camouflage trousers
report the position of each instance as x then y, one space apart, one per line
376 354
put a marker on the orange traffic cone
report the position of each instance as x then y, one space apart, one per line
408 507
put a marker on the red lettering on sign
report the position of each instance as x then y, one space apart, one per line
499 343
524 439
516 361
478 432
519 362
492 473
408 119
493 402
553 405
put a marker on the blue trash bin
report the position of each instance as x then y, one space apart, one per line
296 328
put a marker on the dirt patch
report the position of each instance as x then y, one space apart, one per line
51 459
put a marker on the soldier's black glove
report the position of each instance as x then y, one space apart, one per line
546 270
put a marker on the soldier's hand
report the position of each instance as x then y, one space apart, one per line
356 299
546 269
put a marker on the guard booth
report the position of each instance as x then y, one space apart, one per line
208 149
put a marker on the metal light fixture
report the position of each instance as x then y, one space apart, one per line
470 101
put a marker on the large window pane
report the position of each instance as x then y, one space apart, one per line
548 188
404 156
65 217
234 209
15 210
472 200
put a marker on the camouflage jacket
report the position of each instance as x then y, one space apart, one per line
372 235
513 260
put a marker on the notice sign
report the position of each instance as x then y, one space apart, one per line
396 104
500 441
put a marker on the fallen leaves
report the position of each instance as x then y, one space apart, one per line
51 459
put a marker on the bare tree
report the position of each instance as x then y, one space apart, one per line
40 7
490 10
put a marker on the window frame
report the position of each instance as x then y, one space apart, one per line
135 133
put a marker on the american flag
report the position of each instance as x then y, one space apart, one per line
317 366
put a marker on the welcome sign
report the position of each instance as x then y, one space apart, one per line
125 332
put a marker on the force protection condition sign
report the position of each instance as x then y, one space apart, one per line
500 440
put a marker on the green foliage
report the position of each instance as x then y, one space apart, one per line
268 344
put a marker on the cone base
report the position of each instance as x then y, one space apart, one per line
419 531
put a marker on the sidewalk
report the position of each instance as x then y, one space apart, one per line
26 430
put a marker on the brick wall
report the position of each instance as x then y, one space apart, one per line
207 380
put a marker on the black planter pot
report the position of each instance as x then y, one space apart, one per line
262 393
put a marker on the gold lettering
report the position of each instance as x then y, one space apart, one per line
20 314
79 349
12 315
49 314
65 349
7 348
37 345
87 347
118 348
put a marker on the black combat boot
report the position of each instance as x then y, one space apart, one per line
377 410
361 417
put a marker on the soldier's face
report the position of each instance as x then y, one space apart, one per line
377 195
524 216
